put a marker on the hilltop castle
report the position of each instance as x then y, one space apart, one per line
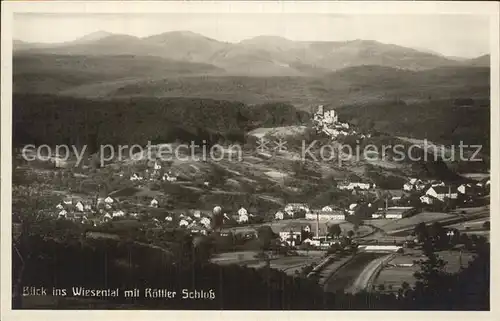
328 123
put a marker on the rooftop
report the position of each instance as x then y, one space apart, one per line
444 189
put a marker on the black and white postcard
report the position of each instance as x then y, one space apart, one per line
248 156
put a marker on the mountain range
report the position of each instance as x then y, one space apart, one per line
259 56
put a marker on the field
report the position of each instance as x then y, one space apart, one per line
287 264
234 257
292 264
410 222
392 276
278 131
472 224
332 266
476 176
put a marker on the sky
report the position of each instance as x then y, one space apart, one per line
451 35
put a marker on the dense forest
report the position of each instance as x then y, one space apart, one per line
441 121
46 119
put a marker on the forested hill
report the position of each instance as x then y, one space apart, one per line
47 119
447 121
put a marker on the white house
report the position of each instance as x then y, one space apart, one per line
407 187
293 231
205 221
118 213
352 208
312 242
279 215
157 166
399 212
326 215
197 213
60 206
243 218
363 186
426 199
327 209
168 177
63 213
154 203
79 206
107 217
414 184
442 192
437 183
242 211
463 188
183 223
352 185
109 200
168 218
197 229
292 208
290 237
135 177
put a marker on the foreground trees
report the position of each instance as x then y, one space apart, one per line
65 260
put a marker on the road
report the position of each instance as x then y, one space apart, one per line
345 277
365 278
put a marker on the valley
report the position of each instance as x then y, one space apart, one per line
235 195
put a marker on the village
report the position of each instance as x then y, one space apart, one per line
348 232
307 225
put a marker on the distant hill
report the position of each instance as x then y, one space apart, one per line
130 76
50 73
108 66
364 83
186 45
482 61
263 55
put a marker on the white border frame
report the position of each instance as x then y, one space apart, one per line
349 7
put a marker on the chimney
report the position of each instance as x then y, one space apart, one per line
317 224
